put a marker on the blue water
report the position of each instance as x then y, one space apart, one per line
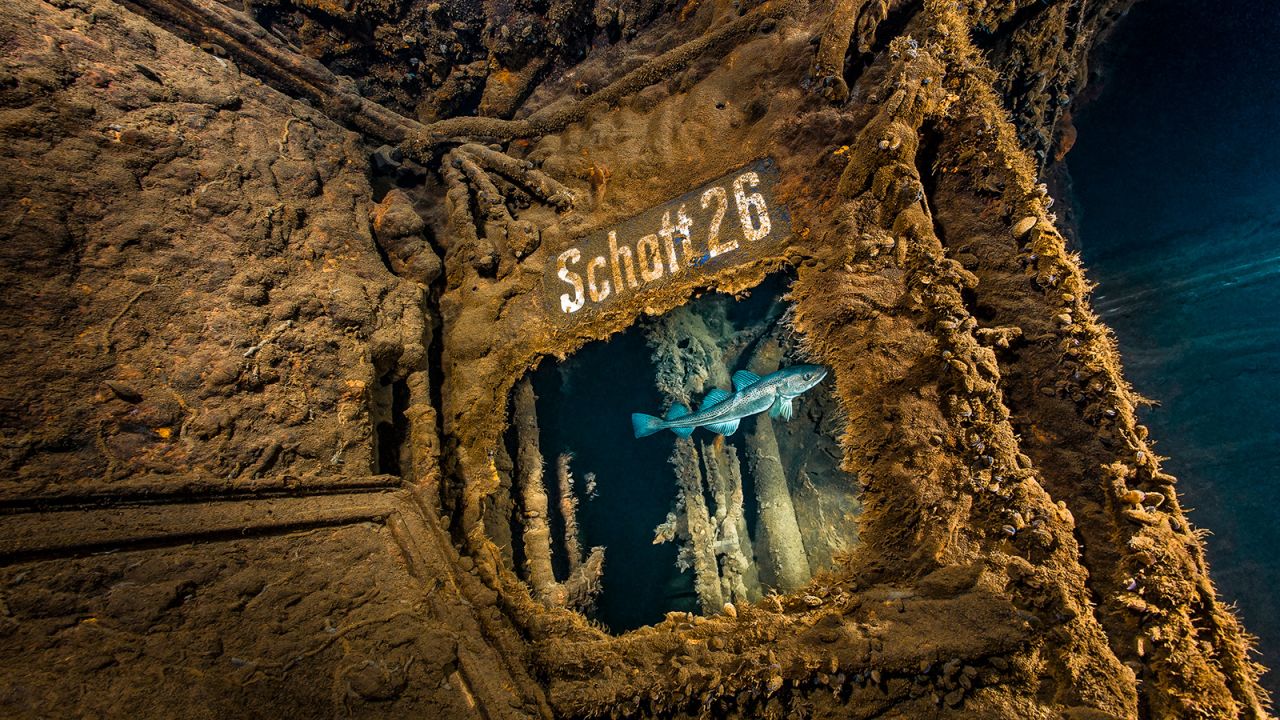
1175 176
584 407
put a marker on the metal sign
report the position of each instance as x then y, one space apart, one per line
723 223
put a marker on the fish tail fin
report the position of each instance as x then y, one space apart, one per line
645 425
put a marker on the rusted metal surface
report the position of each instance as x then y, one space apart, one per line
74 532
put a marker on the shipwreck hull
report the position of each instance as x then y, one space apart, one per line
272 441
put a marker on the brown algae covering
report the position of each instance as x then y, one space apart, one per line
257 422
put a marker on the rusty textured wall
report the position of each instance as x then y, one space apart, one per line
253 404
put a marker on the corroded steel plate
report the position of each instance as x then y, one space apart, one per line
723 223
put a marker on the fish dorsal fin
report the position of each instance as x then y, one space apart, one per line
724 428
678 410
781 409
716 395
742 379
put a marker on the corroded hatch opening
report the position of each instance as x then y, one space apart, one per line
626 528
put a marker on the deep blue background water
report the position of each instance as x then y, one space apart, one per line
584 407
1175 177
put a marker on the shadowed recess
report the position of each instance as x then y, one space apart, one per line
686 524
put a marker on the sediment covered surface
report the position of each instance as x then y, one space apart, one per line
258 424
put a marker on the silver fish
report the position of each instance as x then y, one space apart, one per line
721 411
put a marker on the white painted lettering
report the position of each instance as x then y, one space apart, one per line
759 229
643 254
601 293
682 231
715 246
650 257
622 260
667 233
575 303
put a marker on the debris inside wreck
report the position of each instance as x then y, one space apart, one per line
290 422
747 515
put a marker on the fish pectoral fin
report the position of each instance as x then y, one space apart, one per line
714 396
781 409
742 379
677 411
724 428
